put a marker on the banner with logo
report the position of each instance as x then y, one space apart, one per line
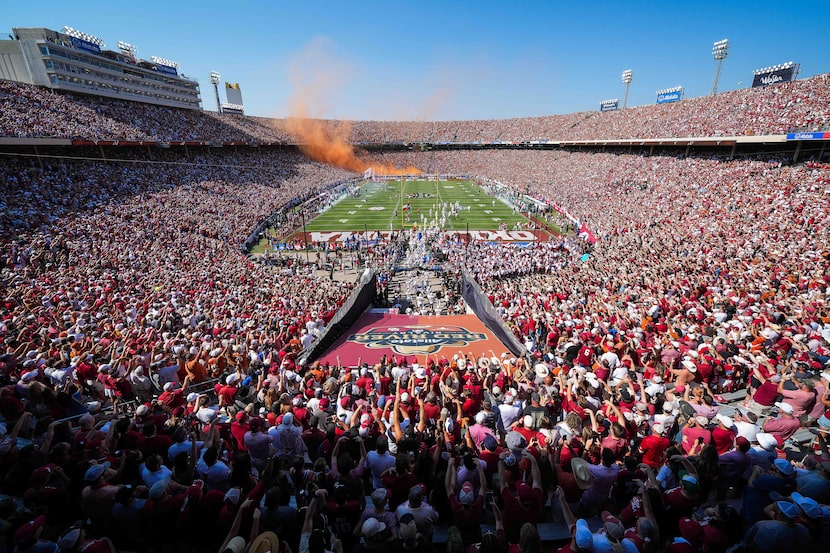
808 136
166 69
378 334
776 76
612 105
668 97
82 44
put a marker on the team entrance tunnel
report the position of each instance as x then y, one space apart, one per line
355 334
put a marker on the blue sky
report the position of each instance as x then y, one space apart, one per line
434 60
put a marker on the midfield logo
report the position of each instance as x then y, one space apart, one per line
416 340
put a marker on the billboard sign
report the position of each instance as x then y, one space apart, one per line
82 44
233 93
773 75
609 105
166 69
670 95
809 136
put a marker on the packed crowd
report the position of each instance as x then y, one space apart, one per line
150 375
28 111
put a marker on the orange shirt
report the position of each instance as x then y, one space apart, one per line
196 370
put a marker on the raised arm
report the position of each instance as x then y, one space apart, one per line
567 514
534 469
450 478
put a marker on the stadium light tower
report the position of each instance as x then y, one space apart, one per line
719 52
627 77
214 79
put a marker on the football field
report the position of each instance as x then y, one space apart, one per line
451 204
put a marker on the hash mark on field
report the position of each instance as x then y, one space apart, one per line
497 219
352 212
487 211
344 220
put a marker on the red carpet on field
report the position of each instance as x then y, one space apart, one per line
378 334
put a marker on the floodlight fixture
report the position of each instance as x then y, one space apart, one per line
720 50
164 61
75 33
127 48
627 77
779 67
214 80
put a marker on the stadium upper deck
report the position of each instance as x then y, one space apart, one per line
27 112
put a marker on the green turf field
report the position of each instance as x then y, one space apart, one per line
376 210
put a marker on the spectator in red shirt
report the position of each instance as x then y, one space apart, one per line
467 506
526 504
654 446
765 395
723 435
783 426
695 434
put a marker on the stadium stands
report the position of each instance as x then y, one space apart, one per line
124 284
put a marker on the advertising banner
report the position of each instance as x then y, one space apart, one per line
774 76
166 69
81 44
609 105
233 93
667 97
809 136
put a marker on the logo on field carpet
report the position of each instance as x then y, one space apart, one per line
416 340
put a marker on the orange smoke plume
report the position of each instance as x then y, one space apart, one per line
322 140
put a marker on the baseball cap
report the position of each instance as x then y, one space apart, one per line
158 489
809 505
467 494
490 443
416 494
752 417
724 420
69 538
784 407
233 495
372 526
515 441
689 482
583 535
766 441
95 472
27 533
784 467
613 527
407 527
237 544
789 510
379 496
524 491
